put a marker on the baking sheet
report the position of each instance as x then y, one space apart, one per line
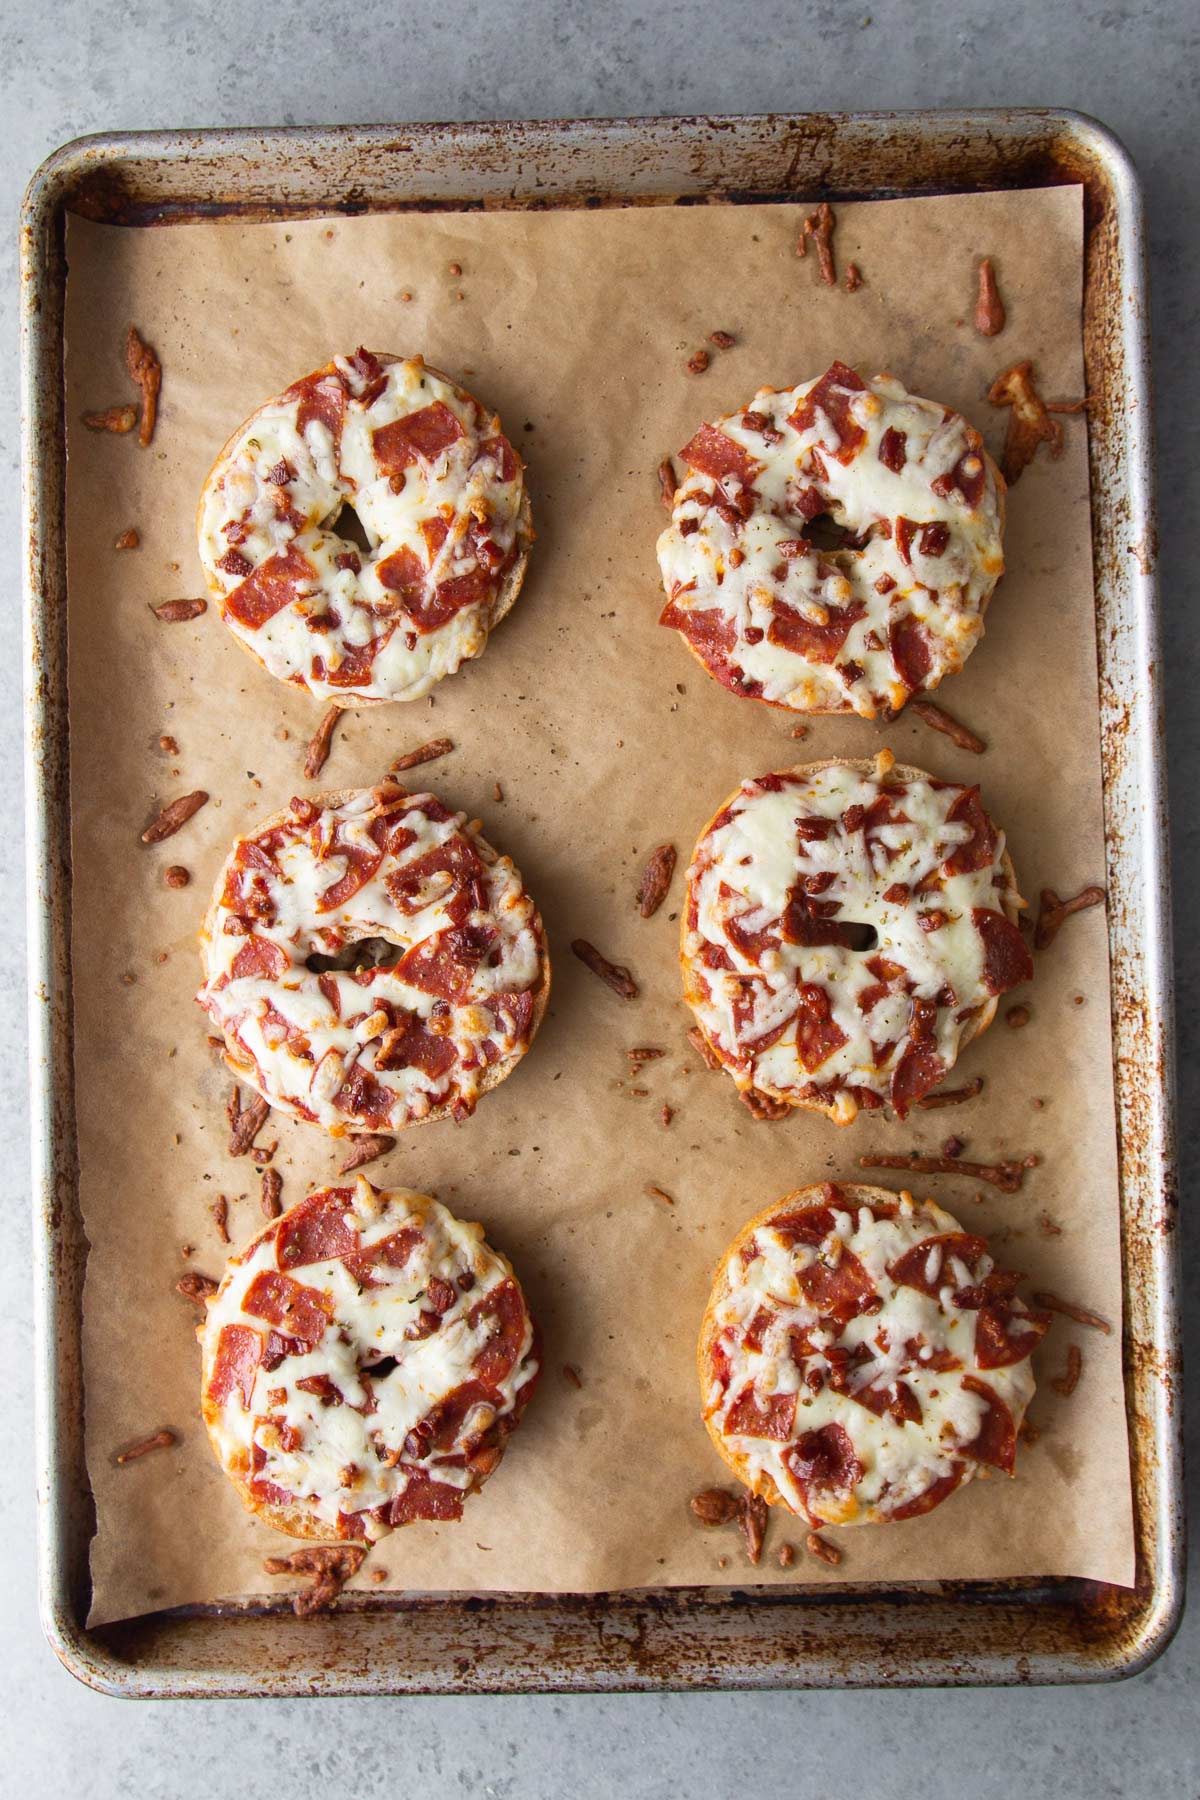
568 326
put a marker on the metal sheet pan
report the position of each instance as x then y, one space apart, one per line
953 1634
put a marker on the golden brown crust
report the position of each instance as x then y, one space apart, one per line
859 1193
492 1076
510 587
974 1028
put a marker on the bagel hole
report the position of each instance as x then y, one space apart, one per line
859 937
349 526
824 533
367 953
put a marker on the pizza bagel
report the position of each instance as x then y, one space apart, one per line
848 928
371 962
861 1356
365 1357
833 546
440 497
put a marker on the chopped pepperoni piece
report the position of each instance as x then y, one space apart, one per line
423 435
996 1440
824 1459
317 1230
893 449
239 1352
832 396
276 583
1006 958
748 1418
259 957
912 651
712 453
302 1312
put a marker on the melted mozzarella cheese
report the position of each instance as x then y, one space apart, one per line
744 569
300 1036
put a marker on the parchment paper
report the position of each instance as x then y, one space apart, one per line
607 739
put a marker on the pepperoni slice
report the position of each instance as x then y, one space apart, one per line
239 1352
712 453
508 463
933 1496
412 1046
818 1034
273 585
980 848
259 957
747 1417
841 1292
425 1498
818 643
322 399
712 633
812 1226
504 1311
916 1074
405 575
925 1266
751 943
302 1312
832 396
1006 959
354 669
824 1461
361 866
912 651
419 436
317 1230
896 1401
425 880
440 1428
996 1441
1004 1336
444 964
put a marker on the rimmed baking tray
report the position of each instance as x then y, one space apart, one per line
962 1633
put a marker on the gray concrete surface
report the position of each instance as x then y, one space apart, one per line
89 65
